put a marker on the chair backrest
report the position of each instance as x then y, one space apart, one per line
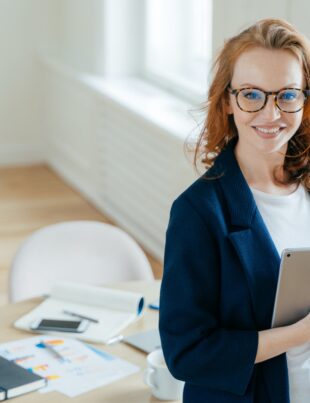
90 252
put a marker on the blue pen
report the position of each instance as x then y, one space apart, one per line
54 351
154 305
78 315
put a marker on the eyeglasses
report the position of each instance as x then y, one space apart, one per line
289 100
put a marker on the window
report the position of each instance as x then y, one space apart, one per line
178 45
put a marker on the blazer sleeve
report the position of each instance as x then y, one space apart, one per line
196 348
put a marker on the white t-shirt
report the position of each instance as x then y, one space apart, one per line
287 219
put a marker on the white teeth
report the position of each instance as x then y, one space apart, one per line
273 130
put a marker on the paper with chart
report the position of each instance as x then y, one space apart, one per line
81 369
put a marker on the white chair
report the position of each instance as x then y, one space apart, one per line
87 252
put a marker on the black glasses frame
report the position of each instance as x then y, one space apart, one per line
235 92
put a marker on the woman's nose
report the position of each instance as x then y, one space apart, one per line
271 111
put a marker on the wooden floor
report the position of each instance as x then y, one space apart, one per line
32 197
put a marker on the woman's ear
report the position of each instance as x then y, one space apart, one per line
229 109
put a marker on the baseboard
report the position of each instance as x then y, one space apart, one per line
21 154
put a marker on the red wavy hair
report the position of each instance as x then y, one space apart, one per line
219 127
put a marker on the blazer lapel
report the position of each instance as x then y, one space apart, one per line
250 238
260 262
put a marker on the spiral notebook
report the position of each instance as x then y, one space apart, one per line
114 309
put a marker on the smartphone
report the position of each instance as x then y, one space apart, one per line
60 325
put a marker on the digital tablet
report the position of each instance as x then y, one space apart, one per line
146 341
292 301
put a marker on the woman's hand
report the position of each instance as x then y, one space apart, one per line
273 342
305 322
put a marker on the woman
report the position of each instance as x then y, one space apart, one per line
228 229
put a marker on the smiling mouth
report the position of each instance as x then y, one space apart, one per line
268 132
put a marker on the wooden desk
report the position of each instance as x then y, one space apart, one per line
127 390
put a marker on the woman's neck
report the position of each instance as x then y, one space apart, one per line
259 170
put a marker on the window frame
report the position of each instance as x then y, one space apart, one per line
178 84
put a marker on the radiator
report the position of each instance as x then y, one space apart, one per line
142 169
126 164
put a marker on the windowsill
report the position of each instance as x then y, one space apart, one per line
147 101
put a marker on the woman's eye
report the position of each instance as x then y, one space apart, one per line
252 95
288 96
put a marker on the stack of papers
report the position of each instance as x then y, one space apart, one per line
70 366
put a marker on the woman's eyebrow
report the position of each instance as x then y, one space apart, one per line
258 86
248 85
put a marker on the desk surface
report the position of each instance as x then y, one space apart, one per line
127 390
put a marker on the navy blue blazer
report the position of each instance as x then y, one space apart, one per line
218 290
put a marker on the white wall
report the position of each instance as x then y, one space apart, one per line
80 33
24 28
90 40
75 31
229 17
48 112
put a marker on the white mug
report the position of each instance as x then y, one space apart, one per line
157 376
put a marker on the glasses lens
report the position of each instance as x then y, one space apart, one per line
251 99
290 100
